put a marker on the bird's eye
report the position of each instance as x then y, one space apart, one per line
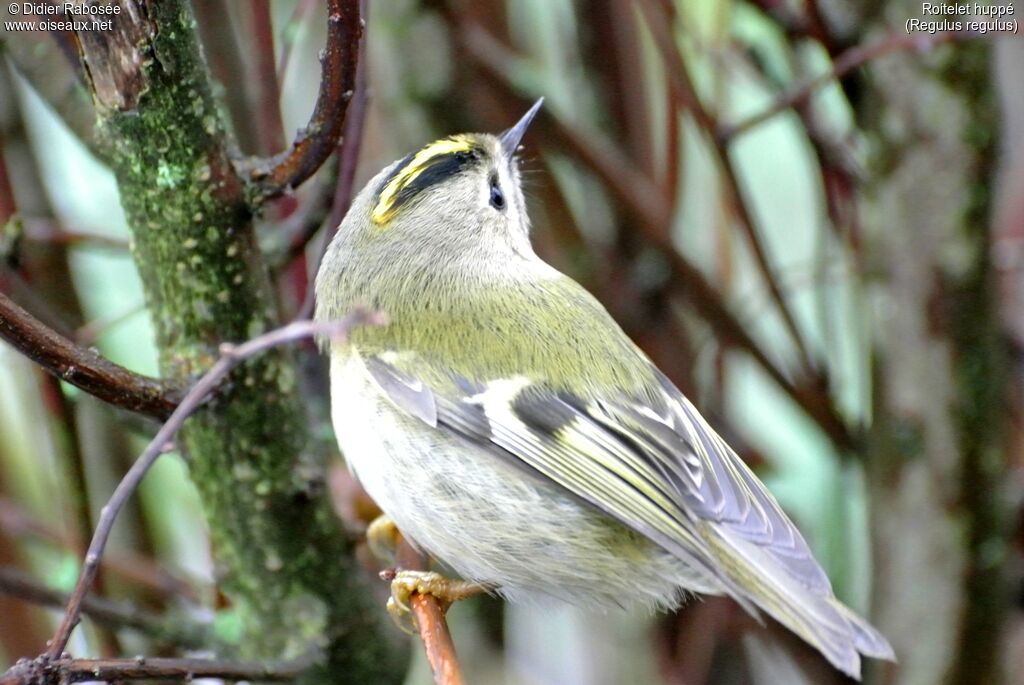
461 157
497 197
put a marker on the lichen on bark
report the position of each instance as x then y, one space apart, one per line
286 563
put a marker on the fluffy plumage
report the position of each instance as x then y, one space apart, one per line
511 429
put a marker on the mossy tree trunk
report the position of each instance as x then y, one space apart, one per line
285 561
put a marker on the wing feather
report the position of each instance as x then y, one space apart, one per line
677 472
655 465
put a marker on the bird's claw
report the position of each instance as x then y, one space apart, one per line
405 584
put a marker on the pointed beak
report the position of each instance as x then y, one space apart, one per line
511 138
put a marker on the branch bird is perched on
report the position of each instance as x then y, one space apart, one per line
509 427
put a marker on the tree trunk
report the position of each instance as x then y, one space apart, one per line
286 563
936 444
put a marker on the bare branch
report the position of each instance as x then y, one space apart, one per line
66 670
231 356
315 143
171 630
430 620
83 367
348 160
268 91
437 639
851 59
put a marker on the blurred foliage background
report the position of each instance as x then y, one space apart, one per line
836 284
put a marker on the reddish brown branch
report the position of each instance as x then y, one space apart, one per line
82 367
845 63
67 670
430 620
315 143
79 366
231 356
268 92
348 160
437 640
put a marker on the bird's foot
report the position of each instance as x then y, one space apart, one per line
405 584
383 538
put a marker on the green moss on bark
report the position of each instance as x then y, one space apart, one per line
286 562
981 370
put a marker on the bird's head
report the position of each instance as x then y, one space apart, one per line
456 203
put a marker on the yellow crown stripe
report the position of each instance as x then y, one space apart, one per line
446 146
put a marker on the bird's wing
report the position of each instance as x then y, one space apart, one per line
653 464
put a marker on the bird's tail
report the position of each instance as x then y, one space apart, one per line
815 615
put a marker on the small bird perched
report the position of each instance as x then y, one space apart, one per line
508 426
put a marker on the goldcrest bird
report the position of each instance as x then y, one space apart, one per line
511 429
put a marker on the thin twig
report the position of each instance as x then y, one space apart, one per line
268 91
352 144
83 367
66 670
437 639
849 60
231 356
170 630
315 143
430 621
79 498
348 160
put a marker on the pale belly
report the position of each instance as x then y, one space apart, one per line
488 520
